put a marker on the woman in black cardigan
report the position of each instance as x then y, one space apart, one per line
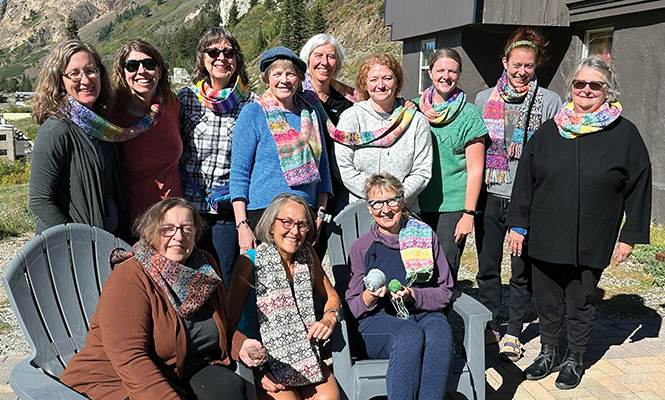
579 174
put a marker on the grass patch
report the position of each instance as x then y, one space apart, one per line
15 216
27 126
645 254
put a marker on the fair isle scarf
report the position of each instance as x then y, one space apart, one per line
528 121
572 124
299 152
186 286
221 101
351 94
96 126
285 316
444 113
415 247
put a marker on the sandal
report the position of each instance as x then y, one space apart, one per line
511 349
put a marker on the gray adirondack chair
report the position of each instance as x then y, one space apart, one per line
53 286
364 379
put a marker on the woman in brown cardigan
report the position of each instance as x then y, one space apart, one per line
160 330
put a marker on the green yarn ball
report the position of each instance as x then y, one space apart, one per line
395 285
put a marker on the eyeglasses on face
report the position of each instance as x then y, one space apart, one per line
377 204
594 85
169 230
76 76
133 65
214 52
288 223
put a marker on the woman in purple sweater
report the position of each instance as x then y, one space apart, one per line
404 323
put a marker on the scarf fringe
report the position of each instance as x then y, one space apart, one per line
494 176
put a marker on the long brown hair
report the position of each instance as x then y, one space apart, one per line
215 35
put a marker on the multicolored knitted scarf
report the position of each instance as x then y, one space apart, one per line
285 317
351 94
94 125
528 121
415 247
221 101
572 124
444 113
187 286
299 152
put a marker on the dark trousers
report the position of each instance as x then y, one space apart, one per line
221 240
444 224
421 353
490 235
560 289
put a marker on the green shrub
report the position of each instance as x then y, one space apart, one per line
646 255
15 216
14 173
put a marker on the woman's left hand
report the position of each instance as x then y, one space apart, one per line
405 294
515 242
622 252
244 355
464 227
409 104
322 329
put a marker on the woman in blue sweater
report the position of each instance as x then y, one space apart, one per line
277 147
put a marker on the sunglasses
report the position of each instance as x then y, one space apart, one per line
133 65
214 52
594 85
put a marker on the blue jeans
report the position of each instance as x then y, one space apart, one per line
221 240
420 350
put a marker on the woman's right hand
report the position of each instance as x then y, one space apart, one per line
246 238
269 383
370 298
244 352
515 241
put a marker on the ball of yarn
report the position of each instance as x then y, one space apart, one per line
374 279
395 285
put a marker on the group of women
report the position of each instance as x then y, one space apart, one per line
228 272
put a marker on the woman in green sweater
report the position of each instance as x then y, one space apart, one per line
448 203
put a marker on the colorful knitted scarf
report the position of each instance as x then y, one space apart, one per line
415 247
96 126
221 101
444 113
186 286
351 94
299 152
572 124
528 121
285 316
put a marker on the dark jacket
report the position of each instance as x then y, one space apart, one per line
571 194
137 344
71 177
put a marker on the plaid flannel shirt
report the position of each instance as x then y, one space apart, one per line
206 140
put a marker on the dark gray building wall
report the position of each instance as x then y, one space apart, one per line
521 12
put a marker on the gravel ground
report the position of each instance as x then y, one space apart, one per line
625 304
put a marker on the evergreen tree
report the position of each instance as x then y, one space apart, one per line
233 15
269 5
294 26
317 23
259 44
13 85
26 84
252 3
3 83
72 28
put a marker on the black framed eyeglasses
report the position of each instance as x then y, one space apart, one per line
133 65
214 52
76 76
287 223
392 202
170 230
594 85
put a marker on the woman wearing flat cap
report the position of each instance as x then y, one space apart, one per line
277 146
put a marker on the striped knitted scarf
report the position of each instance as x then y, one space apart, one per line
572 124
187 286
415 247
96 126
528 121
299 152
285 316
221 101
444 113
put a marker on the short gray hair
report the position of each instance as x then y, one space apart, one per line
383 180
321 39
262 230
284 63
599 64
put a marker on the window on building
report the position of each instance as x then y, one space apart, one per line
3 138
3 152
427 48
599 42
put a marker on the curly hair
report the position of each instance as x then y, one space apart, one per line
215 35
530 34
50 96
387 61
121 90
147 226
